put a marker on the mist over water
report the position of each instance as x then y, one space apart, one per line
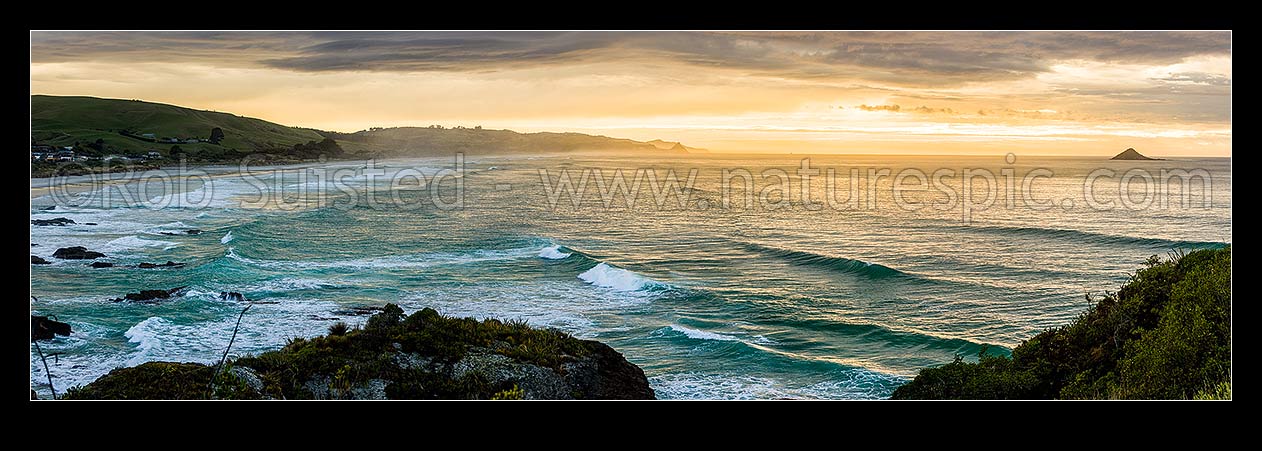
784 302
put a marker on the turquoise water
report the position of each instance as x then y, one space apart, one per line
759 302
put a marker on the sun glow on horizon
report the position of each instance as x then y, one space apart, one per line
763 92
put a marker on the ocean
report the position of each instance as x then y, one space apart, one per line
752 289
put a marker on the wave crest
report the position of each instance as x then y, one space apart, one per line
618 279
842 264
553 253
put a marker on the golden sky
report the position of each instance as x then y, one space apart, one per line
1051 93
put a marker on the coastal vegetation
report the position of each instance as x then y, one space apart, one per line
1166 334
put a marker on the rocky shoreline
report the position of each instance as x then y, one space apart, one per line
424 355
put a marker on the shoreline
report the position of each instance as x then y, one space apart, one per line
42 186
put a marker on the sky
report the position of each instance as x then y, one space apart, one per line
945 92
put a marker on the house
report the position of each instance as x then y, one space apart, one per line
36 156
191 141
154 154
64 155
148 135
115 157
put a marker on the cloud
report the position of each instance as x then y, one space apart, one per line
927 58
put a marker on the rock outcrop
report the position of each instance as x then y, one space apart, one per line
231 296
1131 154
37 260
168 264
76 253
421 356
151 296
52 222
43 328
102 265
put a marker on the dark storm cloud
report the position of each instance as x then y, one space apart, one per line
897 57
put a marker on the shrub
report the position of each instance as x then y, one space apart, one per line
1166 334
339 328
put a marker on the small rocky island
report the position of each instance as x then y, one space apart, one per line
395 356
1131 154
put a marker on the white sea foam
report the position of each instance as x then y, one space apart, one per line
227 238
289 284
618 279
145 336
265 327
392 261
853 384
553 253
697 334
570 307
134 242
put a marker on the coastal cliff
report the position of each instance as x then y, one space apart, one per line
421 356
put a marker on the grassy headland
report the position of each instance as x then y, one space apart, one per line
148 135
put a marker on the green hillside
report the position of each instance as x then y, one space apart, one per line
98 127
63 121
433 141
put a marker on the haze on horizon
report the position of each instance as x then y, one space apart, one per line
1049 93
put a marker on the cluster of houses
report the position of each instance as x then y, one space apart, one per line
67 153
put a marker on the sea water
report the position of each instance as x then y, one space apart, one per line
717 289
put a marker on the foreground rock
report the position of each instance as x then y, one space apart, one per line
52 222
422 356
151 296
37 260
43 328
168 264
76 253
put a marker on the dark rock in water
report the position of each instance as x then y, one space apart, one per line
43 328
1131 154
36 260
359 310
186 232
34 396
102 264
168 264
76 253
52 222
33 245
151 296
89 223
231 296
49 208
422 356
